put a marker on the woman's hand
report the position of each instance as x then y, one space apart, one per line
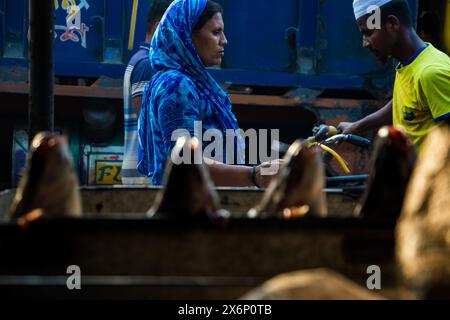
265 172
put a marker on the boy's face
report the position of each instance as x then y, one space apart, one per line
379 41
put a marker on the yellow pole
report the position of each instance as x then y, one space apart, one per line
447 28
65 3
133 24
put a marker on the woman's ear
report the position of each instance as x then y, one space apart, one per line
195 34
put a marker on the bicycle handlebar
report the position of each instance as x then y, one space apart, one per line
350 138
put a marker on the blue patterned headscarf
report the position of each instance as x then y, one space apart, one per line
172 49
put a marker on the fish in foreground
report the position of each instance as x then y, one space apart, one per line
423 230
391 166
316 284
49 187
298 189
188 189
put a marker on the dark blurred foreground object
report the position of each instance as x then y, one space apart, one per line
319 284
188 189
49 186
423 231
298 190
392 162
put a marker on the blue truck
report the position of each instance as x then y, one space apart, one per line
293 43
299 59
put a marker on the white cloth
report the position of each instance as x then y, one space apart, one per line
360 6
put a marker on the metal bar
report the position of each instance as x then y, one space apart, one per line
41 59
151 281
345 189
347 179
308 13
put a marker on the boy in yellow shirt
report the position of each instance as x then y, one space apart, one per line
421 97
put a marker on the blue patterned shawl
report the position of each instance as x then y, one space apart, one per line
181 92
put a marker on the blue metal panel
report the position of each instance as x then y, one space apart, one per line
307 37
288 43
256 32
15 35
307 24
91 36
90 69
106 41
79 31
114 25
283 79
2 26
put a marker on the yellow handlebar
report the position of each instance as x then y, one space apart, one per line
339 159
332 131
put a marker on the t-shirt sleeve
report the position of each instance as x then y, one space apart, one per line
141 75
435 88
178 110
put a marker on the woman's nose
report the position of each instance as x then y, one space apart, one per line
224 40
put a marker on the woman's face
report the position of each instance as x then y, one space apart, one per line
210 41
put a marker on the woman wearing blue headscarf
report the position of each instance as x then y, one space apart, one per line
182 93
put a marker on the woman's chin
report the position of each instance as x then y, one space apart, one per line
214 63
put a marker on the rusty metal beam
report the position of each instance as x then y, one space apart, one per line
236 99
68 91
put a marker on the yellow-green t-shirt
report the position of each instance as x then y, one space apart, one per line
422 94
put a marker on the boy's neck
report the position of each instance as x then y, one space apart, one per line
408 45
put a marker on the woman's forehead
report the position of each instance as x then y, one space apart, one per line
215 21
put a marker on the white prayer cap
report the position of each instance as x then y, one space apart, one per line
360 6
